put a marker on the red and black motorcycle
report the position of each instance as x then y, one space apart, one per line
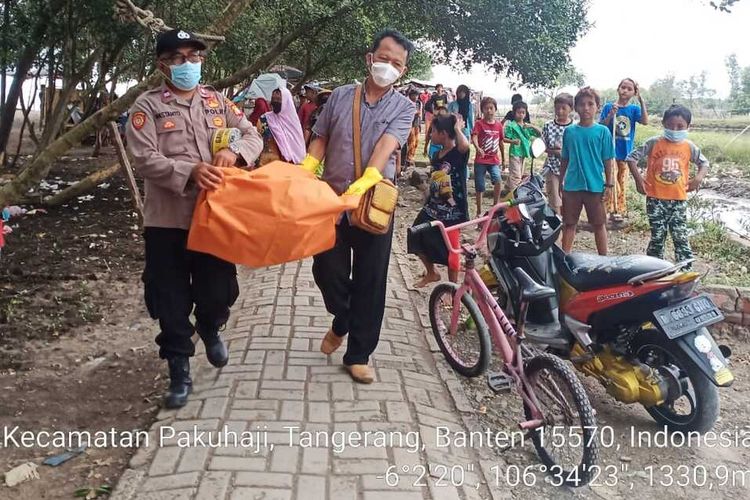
635 323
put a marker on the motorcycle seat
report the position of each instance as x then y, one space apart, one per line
588 272
530 289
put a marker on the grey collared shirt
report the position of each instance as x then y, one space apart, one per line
392 114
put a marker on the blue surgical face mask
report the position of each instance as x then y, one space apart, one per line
186 76
675 135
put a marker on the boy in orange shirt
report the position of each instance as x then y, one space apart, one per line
668 181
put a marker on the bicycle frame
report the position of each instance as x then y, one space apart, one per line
505 340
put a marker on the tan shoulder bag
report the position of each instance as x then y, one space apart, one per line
375 211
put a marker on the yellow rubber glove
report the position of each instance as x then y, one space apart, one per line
310 163
371 177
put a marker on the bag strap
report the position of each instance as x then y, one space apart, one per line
357 131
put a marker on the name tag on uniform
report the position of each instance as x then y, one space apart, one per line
170 124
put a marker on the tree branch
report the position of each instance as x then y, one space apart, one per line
39 166
271 54
227 17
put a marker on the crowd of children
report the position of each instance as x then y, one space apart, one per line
586 167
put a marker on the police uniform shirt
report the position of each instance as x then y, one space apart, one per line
167 136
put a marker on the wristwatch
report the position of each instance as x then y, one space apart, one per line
234 148
609 185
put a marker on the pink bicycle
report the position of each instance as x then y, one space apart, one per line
465 319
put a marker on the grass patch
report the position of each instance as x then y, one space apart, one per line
733 122
714 145
711 241
729 259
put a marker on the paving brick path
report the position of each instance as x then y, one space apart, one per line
277 378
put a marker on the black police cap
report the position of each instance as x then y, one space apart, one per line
170 41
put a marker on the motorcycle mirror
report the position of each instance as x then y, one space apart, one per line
538 147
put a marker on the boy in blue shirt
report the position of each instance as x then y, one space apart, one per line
586 171
625 116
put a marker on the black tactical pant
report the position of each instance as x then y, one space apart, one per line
176 281
352 276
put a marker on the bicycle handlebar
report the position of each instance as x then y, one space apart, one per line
414 230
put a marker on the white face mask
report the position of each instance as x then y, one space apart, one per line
384 74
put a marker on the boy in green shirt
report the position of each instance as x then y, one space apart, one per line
519 135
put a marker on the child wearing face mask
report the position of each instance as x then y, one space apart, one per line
668 181
625 117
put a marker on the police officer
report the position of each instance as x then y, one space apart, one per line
169 137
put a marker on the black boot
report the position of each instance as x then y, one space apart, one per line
180 384
216 350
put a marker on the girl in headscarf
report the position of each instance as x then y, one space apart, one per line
463 106
261 108
281 131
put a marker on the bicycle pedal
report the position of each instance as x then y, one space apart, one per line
499 382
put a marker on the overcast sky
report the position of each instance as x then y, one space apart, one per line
645 40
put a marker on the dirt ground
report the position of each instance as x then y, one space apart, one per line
726 467
76 344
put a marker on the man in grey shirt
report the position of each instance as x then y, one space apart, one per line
352 275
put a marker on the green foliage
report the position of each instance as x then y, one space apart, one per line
739 85
527 40
336 51
693 92
710 239
714 144
332 49
662 94
83 42
728 257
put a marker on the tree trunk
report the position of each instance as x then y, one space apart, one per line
16 87
40 165
25 110
58 116
37 39
4 51
81 187
279 47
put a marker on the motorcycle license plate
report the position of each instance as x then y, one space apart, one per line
687 316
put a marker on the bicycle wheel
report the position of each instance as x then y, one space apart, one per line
567 442
467 349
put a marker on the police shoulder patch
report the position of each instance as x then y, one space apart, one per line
138 120
233 107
